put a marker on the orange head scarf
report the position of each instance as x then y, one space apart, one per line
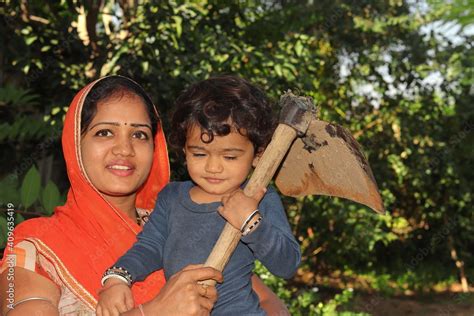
87 235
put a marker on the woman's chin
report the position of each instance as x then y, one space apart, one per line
120 192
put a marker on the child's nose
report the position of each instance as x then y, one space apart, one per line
213 165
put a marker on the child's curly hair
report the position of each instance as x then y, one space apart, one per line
219 104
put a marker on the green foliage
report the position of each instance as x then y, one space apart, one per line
30 188
460 11
50 197
29 195
3 231
16 97
32 193
20 104
302 302
9 192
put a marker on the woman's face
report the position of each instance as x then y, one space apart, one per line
117 147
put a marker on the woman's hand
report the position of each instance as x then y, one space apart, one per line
182 295
236 207
114 298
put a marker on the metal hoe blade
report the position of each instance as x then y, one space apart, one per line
328 161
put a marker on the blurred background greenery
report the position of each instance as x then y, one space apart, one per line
398 74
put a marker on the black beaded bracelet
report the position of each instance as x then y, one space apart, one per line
117 272
247 220
251 227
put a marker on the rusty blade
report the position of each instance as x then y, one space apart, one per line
328 161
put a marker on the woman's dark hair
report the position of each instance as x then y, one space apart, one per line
213 103
110 87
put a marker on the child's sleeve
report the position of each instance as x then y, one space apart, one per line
272 241
146 255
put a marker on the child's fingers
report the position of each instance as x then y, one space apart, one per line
121 307
259 194
225 198
129 303
105 311
115 311
114 301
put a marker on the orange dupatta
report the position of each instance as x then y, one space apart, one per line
87 235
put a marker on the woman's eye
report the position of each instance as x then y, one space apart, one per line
103 133
141 135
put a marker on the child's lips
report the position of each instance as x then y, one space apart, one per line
213 180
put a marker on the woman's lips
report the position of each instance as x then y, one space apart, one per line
121 170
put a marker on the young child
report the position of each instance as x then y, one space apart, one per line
222 125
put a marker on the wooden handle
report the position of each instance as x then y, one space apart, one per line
282 139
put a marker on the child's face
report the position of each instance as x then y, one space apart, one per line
219 167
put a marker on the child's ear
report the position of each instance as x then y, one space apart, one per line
257 157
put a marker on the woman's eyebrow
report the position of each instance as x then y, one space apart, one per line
140 125
105 123
118 124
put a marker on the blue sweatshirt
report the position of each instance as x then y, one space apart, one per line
181 232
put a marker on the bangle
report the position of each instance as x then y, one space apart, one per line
117 272
113 276
140 307
247 220
252 226
28 299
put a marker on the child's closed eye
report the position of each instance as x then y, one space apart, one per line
198 155
230 157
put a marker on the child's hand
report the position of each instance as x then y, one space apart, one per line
236 207
114 298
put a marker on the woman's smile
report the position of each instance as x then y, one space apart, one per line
121 168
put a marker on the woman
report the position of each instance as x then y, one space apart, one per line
117 162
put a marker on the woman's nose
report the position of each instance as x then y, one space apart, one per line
123 147
213 165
